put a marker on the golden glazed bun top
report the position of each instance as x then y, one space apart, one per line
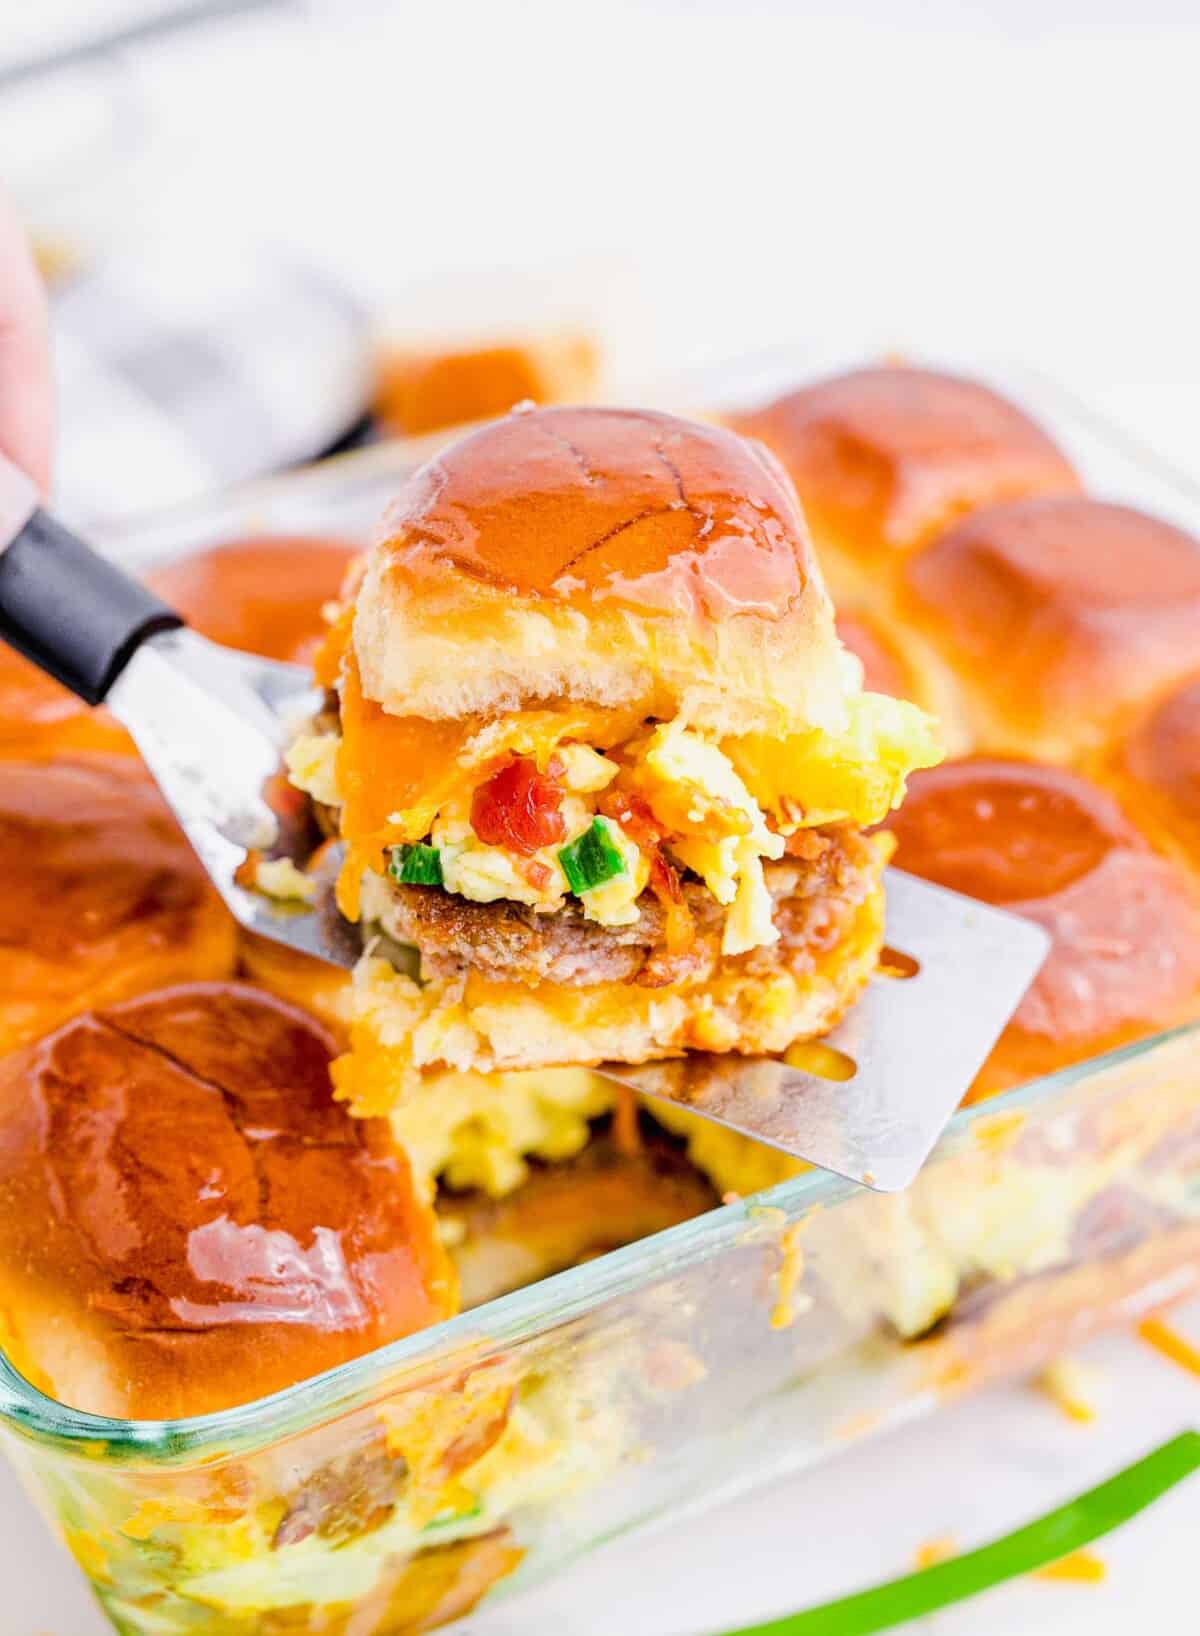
188 1220
100 894
883 458
1046 843
1062 617
612 556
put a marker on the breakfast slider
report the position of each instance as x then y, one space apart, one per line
596 754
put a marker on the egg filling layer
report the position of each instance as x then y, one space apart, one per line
593 806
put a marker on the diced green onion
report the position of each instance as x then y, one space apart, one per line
1057 1534
592 859
417 865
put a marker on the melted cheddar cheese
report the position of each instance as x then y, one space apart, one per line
722 808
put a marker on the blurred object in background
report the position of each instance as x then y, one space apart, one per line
72 160
466 343
180 370
186 356
422 389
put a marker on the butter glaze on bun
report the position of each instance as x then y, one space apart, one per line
187 1218
1048 844
1060 618
611 556
101 897
884 458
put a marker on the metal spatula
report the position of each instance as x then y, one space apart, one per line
869 1102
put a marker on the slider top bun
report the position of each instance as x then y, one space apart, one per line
264 596
101 896
883 458
1046 843
1059 616
1159 768
607 556
187 1218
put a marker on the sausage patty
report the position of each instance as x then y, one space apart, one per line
815 899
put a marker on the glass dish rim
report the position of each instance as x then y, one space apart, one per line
548 1304
265 505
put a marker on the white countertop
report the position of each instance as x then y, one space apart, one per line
1016 180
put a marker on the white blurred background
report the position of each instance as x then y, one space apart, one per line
1000 179
1004 180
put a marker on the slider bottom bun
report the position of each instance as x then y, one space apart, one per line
752 1004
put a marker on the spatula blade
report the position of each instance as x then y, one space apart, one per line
914 1045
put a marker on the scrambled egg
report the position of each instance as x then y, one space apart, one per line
711 801
693 791
718 829
311 761
279 878
484 873
479 1130
857 775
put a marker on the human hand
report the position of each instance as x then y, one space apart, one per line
25 384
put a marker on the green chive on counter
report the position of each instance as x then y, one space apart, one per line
591 859
1057 1534
416 865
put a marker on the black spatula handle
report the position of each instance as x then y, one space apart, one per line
70 610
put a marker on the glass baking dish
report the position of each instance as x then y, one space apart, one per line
393 1493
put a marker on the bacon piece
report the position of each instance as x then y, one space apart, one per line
537 874
807 844
633 814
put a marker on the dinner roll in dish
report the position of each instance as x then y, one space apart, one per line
264 595
1059 617
40 718
885 668
1046 843
101 897
885 458
599 757
895 664
1157 769
187 1218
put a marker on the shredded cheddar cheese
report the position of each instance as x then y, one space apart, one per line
1081 1567
1171 1344
1072 1385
